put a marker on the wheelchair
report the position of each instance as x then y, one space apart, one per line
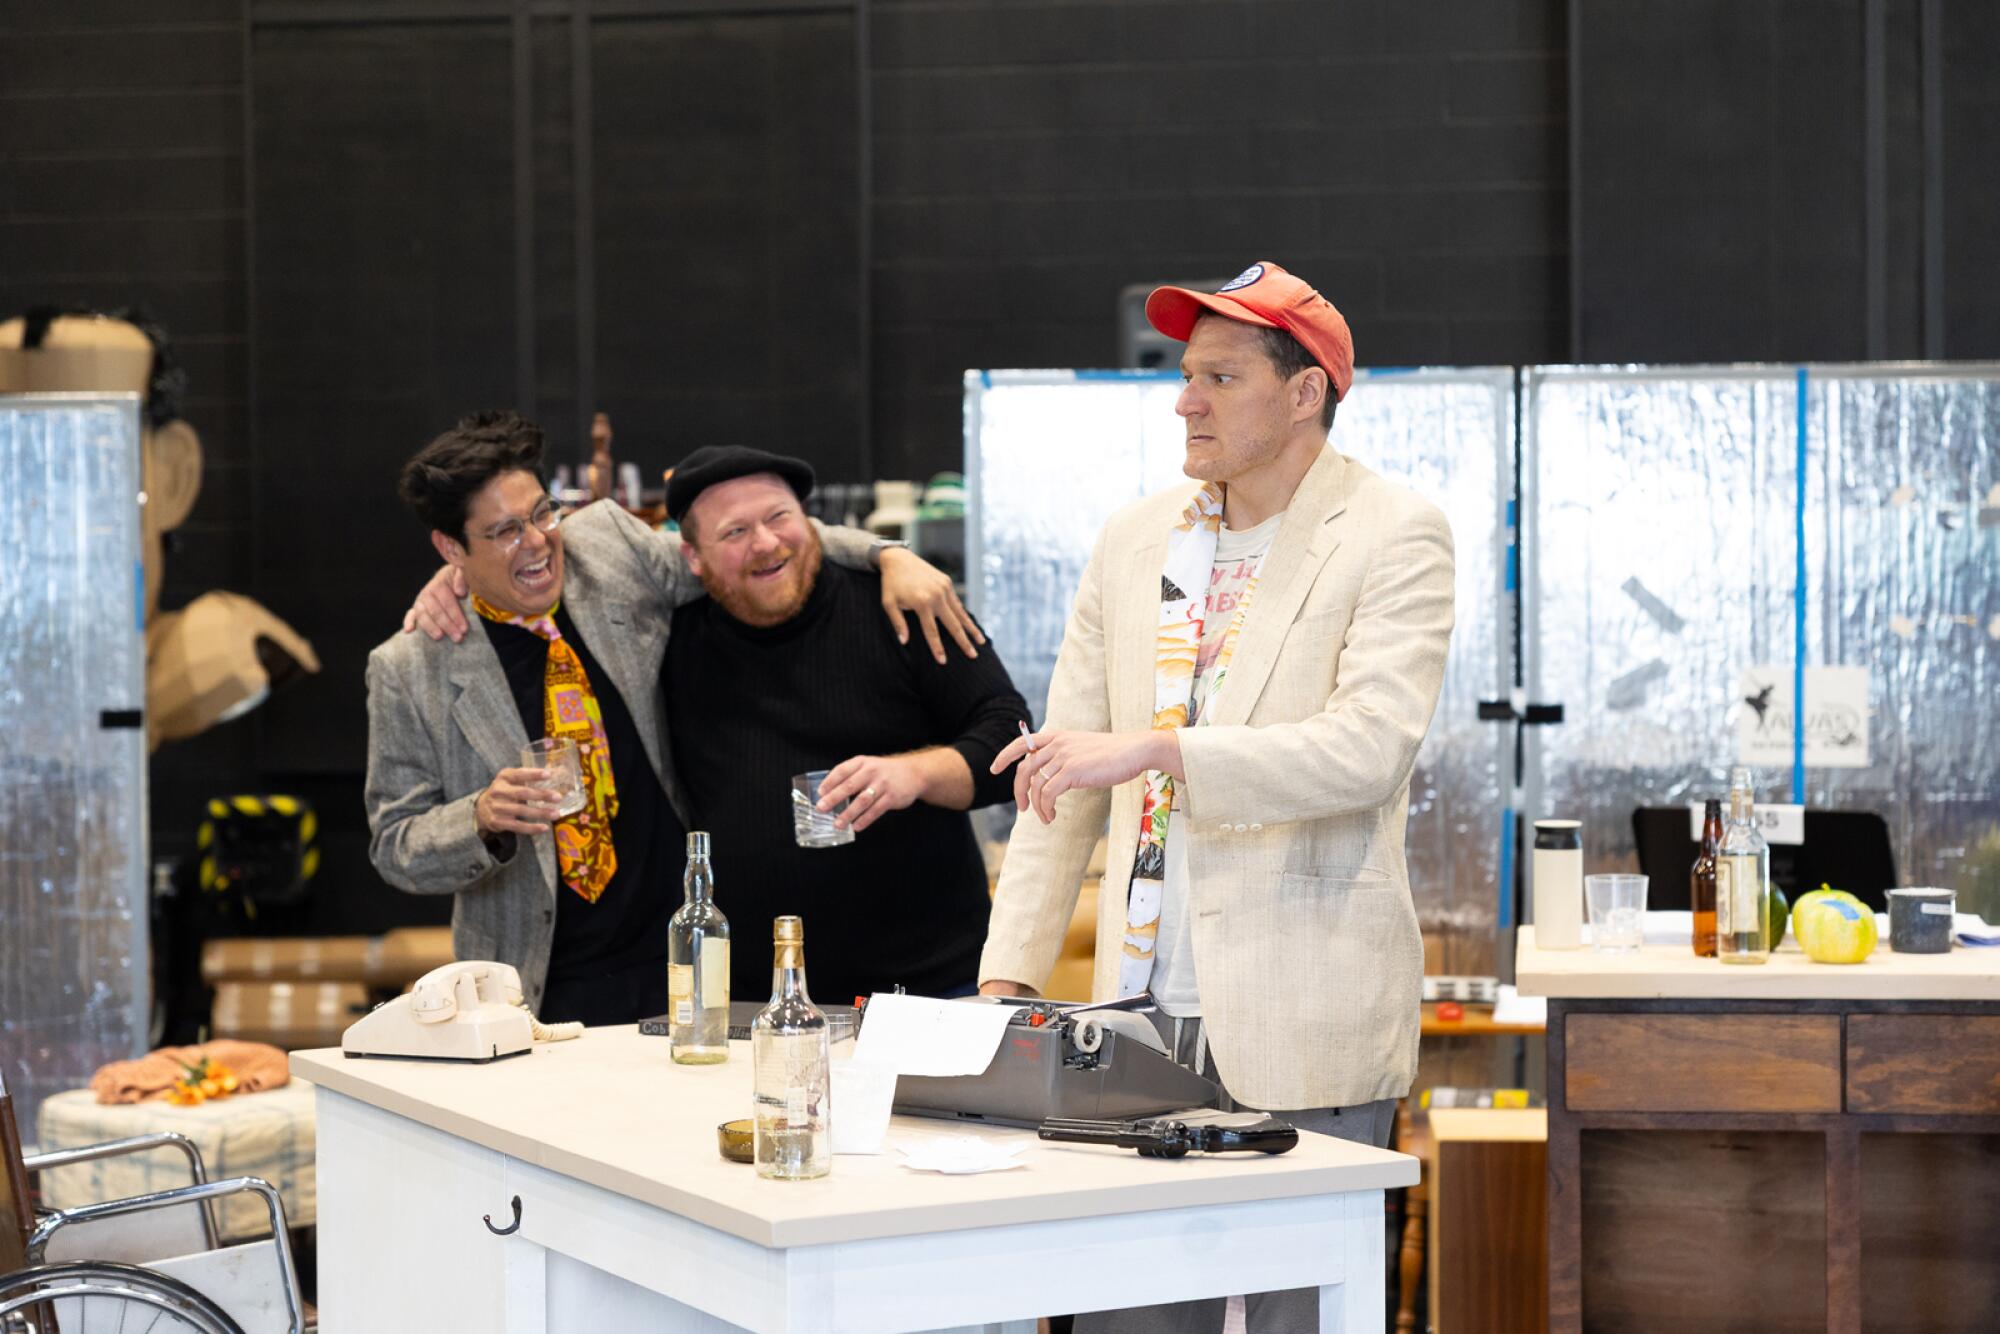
151 1262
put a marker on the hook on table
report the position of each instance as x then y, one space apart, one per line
512 1227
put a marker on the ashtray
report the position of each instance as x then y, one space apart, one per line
737 1140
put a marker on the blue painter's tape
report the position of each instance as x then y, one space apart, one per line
986 379
1506 868
1514 547
139 596
1130 376
1799 605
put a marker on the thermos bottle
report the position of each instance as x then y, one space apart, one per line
1558 887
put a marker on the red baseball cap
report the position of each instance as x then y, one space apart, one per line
1267 296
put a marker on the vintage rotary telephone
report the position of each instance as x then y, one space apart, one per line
470 1011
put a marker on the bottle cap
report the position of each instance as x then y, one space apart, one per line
788 931
698 844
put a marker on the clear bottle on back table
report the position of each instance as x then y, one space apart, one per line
698 966
792 1080
1742 880
1701 879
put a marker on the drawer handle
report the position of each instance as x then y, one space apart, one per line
512 1227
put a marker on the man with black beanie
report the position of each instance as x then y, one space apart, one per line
783 670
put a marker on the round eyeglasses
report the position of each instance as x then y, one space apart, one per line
509 534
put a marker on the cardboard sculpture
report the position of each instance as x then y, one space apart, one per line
219 656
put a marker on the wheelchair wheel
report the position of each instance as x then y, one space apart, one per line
100 1297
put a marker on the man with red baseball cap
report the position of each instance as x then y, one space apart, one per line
1250 666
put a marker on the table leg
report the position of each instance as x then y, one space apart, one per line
524 1276
1356 1305
1565 1189
1410 1262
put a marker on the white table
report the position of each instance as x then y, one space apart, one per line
630 1219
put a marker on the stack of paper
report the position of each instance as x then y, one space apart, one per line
913 1035
961 1155
1971 929
1514 1008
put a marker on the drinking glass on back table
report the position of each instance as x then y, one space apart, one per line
1617 912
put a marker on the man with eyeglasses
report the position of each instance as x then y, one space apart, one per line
559 650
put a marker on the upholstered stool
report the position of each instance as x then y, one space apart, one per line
268 1135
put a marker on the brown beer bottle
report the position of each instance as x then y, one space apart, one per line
1701 887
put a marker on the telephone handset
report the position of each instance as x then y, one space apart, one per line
443 992
470 1011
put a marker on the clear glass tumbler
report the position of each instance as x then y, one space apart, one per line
811 827
1617 912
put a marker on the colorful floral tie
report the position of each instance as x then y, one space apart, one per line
569 709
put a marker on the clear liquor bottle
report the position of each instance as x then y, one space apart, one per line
793 1087
1742 880
698 966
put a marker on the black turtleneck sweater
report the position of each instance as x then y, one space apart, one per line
749 707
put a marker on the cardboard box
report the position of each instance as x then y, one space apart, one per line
287 1014
291 959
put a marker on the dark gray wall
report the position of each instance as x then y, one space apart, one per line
1785 180
1407 158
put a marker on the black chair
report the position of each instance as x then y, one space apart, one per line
1846 849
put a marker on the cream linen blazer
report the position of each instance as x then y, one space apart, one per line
1305 939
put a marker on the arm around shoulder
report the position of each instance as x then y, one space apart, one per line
846 546
657 552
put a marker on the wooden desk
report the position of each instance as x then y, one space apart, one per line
1790 1146
630 1219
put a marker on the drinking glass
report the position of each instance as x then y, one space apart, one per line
564 762
1617 912
811 827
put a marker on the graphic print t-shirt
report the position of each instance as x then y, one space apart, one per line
1237 555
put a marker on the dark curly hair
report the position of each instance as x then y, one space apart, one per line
441 480
167 387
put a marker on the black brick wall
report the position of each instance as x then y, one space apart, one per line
121 182
122 141
1031 160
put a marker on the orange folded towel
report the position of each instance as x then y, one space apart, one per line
256 1065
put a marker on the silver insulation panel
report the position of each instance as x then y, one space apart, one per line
75 988
1662 558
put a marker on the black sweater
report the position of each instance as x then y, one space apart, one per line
749 707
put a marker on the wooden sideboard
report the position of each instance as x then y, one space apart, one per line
1795 1146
